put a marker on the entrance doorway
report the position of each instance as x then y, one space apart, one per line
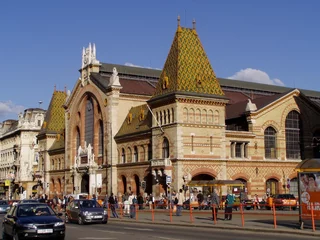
124 183
206 190
85 183
272 186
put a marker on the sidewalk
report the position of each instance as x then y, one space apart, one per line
286 222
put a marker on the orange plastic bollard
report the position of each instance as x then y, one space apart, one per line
152 212
274 215
191 218
312 218
136 206
214 214
121 210
242 215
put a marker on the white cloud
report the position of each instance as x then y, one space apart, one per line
133 65
8 107
255 75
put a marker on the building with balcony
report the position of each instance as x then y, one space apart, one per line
19 153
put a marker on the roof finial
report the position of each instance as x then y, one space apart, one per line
55 88
194 24
178 20
65 89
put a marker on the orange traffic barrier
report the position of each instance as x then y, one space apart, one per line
108 210
214 214
274 215
242 215
191 218
312 218
152 212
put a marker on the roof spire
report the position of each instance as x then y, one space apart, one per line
178 20
55 88
194 24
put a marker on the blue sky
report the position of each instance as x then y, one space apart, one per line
275 42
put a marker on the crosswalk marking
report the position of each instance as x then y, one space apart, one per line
106 231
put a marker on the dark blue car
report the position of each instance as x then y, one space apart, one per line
32 221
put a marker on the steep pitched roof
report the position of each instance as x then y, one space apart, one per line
187 68
238 109
139 120
55 118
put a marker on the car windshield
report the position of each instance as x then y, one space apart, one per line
30 210
4 203
89 204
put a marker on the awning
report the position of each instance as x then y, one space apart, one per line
215 183
309 165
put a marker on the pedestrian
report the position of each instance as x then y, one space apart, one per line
200 199
215 201
113 206
180 198
228 206
106 202
126 204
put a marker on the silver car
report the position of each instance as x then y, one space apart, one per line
4 206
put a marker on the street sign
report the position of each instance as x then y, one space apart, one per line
168 179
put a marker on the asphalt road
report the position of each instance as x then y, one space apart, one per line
139 231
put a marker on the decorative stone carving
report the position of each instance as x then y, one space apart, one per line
251 107
89 55
114 79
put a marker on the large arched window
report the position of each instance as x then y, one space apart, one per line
78 138
89 122
123 156
316 144
165 148
135 154
270 142
100 138
293 135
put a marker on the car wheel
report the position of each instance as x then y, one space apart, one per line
104 222
80 221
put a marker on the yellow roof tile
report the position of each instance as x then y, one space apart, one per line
187 68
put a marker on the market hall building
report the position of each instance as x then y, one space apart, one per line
125 129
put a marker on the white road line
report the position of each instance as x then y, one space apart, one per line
95 238
106 231
140 229
168 238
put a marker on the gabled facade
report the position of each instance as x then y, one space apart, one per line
127 129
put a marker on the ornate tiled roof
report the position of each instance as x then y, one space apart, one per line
55 118
187 68
139 119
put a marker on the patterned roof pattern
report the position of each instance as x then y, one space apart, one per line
55 118
139 119
187 68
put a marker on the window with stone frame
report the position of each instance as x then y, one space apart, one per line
123 156
100 149
239 149
293 135
270 143
89 122
78 138
135 154
165 148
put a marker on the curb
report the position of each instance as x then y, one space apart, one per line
274 231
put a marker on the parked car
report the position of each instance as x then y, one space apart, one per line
4 206
29 201
85 211
32 221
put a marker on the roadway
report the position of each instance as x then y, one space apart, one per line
140 231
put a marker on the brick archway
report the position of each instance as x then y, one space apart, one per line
204 171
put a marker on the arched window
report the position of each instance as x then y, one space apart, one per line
100 138
129 152
165 148
52 164
270 142
135 154
123 156
149 152
78 138
293 149
59 164
89 118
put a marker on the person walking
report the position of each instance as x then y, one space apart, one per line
215 201
113 206
180 198
200 199
228 206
